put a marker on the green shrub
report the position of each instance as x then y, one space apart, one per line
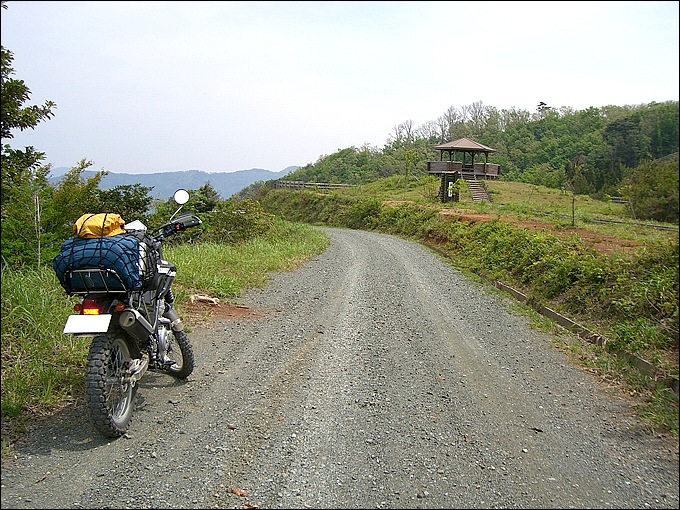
236 222
408 219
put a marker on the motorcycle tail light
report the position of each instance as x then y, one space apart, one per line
89 307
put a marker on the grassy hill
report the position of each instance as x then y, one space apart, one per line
533 205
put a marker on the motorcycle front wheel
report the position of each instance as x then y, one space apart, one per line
181 354
110 391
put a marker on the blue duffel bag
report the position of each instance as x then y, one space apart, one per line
114 261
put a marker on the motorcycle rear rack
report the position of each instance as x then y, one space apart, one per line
95 281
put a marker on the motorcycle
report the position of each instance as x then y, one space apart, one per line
133 329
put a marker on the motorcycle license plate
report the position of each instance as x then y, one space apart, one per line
87 324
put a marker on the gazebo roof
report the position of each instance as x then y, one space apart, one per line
464 144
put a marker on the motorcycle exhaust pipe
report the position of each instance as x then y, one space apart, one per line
135 324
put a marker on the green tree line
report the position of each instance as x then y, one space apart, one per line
609 151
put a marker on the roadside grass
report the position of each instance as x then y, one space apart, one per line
44 370
224 271
608 310
38 362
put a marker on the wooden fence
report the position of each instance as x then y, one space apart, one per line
310 185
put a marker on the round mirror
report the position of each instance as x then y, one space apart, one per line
181 196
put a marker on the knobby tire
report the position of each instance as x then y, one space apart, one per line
110 394
181 352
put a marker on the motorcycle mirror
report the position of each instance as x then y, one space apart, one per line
181 196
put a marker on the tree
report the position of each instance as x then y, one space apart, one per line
14 94
131 201
72 197
575 181
22 176
652 190
402 135
24 189
204 199
477 118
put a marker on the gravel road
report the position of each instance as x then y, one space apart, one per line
373 376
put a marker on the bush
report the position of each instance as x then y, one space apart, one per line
236 222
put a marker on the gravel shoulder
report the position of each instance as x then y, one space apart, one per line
373 376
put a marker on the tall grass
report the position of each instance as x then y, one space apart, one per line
39 363
225 270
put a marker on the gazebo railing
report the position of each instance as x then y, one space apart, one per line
491 170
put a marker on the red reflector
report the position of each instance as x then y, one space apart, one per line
89 307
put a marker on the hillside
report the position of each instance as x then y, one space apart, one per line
164 184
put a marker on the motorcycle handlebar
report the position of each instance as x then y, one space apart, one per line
181 222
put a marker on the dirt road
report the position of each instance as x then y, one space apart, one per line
374 376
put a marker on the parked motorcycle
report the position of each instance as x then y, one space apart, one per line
128 307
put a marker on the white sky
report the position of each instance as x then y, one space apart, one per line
145 87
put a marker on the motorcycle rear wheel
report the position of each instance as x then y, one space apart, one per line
182 355
110 392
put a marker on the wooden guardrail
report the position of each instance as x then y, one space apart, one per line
311 185
643 365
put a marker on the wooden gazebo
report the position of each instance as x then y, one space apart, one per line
468 150
461 163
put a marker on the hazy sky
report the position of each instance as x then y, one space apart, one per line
144 87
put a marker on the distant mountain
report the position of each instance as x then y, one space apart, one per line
164 184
